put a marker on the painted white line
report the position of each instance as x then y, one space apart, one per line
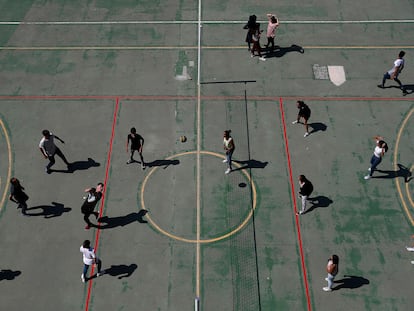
197 22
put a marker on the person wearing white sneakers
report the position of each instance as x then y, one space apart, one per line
305 113
305 191
229 147
380 149
89 258
332 269
137 142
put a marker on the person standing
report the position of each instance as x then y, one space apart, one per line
88 206
305 113
17 195
394 72
250 26
256 42
271 29
332 269
305 191
380 149
229 146
89 258
137 142
49 149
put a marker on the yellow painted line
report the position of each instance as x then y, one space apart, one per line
9 154
205 241
406 208
152 48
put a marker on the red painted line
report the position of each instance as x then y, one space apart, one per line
98 231
178 97
302 256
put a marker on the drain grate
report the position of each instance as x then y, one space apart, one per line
320 72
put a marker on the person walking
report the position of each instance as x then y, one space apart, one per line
250 26
49 149
17 195
229 147
305 113
380 149
394 72
305 191
256 42
332 269
88 206
89 258
137 142
271 29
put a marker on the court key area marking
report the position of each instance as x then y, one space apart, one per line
204 241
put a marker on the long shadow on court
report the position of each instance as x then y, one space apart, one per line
252 163
403 172
48 211
164 163
6 274
281 51
317 202
121 271
121 221
317 126
78 166
351 282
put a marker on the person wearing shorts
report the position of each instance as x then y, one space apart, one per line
137 142
305 113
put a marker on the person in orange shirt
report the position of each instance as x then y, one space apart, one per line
332 269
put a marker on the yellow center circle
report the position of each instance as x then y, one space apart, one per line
219 238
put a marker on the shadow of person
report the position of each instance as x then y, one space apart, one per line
403 172
141 214
409 89
281 51
252 163
121 221
319 201
351 282
6 274
49 211
317 126
164 163
78 166
121 271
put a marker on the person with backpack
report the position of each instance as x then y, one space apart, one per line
380 149
88 206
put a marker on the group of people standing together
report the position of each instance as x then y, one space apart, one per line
254 34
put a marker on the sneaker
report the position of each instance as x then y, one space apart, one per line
82 278
306 134
143 166
225 161
294 122
412 262
367 177
251 55
326 279
369 169
48 171
299 213
129 161
101 273
227 171
410 249
327 289
262 58
381 86
87 227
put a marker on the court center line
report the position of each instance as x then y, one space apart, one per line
302 255
175 22
98 230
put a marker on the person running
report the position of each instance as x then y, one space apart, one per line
394 72
332 269
256 33
305 191
17 195
88 206
380 149
229 147
305 113
250 26
89 258
49 150
271 29
137 142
